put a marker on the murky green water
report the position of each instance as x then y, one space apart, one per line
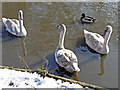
42 39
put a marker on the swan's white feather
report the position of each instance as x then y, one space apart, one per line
64 57
96 42
67 59
13 27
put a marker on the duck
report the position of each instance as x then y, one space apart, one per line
14 26
64 57
99 43
87 19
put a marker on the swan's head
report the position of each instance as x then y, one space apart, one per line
107 30
61 27
20 13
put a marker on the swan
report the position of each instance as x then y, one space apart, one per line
14 26
87 19
64 57
97 42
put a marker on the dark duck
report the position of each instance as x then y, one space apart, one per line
87 19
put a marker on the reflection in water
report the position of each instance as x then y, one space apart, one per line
63 73
40 21
102 65
23 46
6 36
74 76
77 19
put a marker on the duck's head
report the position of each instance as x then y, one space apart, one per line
20 14
107 30
83 15
60 26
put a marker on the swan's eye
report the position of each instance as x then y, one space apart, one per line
106 29
59 26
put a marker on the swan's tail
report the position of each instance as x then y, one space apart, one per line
4 20
73 68
77 69
86 34
85 31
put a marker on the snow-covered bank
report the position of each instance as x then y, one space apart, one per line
18 79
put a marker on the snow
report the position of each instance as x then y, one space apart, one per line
18 79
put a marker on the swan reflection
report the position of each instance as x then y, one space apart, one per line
23 46
102 65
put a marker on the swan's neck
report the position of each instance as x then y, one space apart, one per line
61 39
20 23
107 38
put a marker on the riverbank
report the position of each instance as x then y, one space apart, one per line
22 78
18 79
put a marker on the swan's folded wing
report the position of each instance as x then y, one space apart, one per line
12 26
63 60
94 40
16 22
66 58
72 56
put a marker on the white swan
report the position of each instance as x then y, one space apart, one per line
64 57
97 42
14 26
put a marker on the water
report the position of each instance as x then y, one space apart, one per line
40 20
